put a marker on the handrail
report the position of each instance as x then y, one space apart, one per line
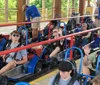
45 42
22 23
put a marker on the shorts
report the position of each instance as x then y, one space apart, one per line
92 73
37 24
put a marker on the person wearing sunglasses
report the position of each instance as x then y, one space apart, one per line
13 59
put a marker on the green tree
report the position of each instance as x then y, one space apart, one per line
2 3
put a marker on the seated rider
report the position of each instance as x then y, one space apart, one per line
55 47
64 75
83 39
96 42
13 59
90 61
58 45
50 26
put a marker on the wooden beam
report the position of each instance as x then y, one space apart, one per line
56 8
27 2
43 9
81 6
73 5
88 3
6 10
20 13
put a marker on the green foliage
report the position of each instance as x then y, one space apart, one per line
12 4
2 3
38 3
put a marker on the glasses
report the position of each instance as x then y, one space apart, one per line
15 35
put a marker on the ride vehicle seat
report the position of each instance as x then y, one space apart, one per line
3 41
37 50
74 74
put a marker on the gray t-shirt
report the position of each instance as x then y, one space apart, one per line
62 82
19 56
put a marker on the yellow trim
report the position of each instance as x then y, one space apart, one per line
43 77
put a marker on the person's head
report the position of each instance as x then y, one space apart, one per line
84 26
15 36
53 24
24 7
96 80
65 69
55 32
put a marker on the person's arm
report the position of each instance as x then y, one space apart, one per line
23 61
54 52
86 61
87 36
27 16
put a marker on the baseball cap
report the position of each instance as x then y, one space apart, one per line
65 66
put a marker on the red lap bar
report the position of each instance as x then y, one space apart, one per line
45 42
71 44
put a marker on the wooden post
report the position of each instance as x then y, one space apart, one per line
56 8
88 3
73 5
27 2
68 10
81 7
43 9
6 10
20 13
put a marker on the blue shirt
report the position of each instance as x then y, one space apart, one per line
32 12
63 82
